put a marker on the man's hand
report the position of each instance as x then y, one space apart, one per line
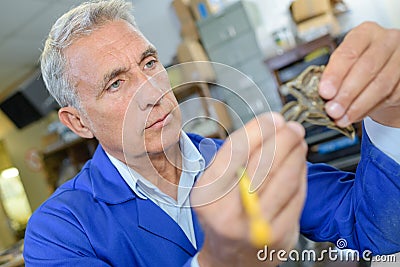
273 152
363 77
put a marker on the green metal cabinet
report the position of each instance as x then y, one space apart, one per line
229 38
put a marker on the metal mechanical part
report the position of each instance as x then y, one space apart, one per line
309 106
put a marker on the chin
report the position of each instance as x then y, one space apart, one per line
161 141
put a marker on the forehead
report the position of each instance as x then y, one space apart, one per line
114 44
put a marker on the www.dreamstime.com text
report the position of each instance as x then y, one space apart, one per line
332 254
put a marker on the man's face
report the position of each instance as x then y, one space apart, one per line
124 90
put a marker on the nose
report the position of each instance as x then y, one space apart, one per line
149 94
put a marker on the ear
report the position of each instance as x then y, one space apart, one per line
71 118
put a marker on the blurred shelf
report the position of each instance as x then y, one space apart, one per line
12 257
60 145
348 163
322 137
63 160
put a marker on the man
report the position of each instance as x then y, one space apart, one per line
129 205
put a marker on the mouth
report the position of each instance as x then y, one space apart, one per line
159 123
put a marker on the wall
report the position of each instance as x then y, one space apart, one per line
6 125
160 25
391 11
383 12
18 143
6 233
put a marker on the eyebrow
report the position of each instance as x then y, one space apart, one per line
150 51
111 75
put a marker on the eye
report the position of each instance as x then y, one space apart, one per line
115 85
150 64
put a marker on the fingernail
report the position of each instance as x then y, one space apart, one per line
297 127
327 90
334 109
343 122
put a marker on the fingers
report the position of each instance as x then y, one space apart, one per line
285 225
243 142
268 159
283 198
342 60
282 194
285 178
384 85
217 180
362 73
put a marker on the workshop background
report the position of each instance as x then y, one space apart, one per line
268 42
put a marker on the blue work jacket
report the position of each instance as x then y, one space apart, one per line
97 220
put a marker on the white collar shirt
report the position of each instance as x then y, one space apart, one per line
179 210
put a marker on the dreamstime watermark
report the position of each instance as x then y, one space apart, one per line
338 253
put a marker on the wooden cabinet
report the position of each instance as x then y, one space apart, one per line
291 63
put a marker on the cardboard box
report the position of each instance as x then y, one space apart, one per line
202 9
315 27
305 9
189 31
188 24
192 51
182 11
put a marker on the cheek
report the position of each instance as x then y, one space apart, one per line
173 106
132 129
170 99
178 115
107 121
111 116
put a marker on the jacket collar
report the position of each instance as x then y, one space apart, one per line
107 184
156 221
109 187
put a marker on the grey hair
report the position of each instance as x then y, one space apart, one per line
79 21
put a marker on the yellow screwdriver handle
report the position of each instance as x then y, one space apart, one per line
260 230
